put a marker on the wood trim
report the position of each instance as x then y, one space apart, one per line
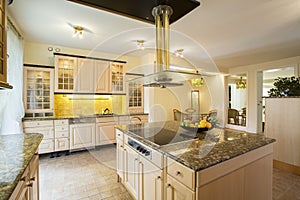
87 57
286 167
40 66
90 93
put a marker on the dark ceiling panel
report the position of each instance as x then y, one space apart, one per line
142 9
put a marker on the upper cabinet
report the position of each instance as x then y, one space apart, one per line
117 77
3 52
65 68
38 91
88 75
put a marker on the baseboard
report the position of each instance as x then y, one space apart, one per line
286 167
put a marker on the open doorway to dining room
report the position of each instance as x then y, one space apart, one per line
265 81
237 100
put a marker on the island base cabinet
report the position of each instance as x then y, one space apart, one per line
177 191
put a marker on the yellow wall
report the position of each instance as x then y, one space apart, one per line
66 105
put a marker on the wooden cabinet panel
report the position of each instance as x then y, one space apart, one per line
105 133
177 191
131 171
102 76
46 146
117 71
85 76
65 71
62 144
82 135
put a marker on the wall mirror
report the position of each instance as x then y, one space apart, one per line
237 99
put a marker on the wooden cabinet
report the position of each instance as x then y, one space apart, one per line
38 91
65 71
84 79
117 71
105 130
62 139
44 127
131 171
3 43
178 191
82 135
28 186
120 155
135 96
102 76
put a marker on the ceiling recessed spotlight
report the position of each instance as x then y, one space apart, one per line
179 53
78 31
140 44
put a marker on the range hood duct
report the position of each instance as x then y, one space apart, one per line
164 77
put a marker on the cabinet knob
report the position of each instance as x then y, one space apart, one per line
121 146
169 185
158 177
23 179
32 179
178 173
119 135
29 185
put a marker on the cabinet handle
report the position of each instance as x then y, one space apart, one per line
119 135
121 146
178 173
29 185
23 179
32 179
169 185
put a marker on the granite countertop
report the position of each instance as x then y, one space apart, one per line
81 116
197 151
16 151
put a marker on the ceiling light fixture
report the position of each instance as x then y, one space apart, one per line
140 44
179 53
241 84
78 31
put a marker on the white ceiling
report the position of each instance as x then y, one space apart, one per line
232 32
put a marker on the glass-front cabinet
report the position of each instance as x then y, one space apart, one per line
117 77
65 73
38 91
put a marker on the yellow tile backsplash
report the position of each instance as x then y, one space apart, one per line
66 105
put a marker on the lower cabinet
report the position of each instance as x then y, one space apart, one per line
142 178
178 191
105 131
28 186
82 136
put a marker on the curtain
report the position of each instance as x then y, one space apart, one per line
11 104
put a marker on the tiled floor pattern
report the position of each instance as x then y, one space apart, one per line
91 175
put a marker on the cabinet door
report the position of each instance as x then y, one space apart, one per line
150 187
82 135
3 54
177 191
105 133
38 90
65 70
62 144
131 165
102 76
120 159
85 76
46 146
117 77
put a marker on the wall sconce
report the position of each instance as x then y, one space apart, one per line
179 53
241 84
140 44
78 31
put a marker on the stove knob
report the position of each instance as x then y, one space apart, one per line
144 151
147 153
138 148
141 149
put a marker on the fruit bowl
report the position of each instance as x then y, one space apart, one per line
195 129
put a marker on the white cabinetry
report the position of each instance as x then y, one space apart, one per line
44 127
105 130
117 71
82 135
102 76
85 76
62 139
65 71
120 155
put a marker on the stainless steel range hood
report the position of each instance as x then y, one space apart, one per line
164 77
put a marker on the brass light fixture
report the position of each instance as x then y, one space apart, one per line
241 84
179 53
140 44
78 31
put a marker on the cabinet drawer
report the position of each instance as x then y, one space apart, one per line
181 173
176 190
61 134
62 144
29 124
119 135
46 131
62 128
46 146
61 122
107 119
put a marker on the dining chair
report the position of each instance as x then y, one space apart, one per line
233 116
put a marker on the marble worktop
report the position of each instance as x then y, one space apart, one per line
197 151
80 116
16 151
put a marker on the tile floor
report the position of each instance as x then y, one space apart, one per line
91 175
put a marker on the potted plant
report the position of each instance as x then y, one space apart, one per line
285 86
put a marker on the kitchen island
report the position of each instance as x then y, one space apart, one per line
18 153
171 162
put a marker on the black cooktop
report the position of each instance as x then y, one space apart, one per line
142 9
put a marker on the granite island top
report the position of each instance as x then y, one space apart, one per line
197 151
16 151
